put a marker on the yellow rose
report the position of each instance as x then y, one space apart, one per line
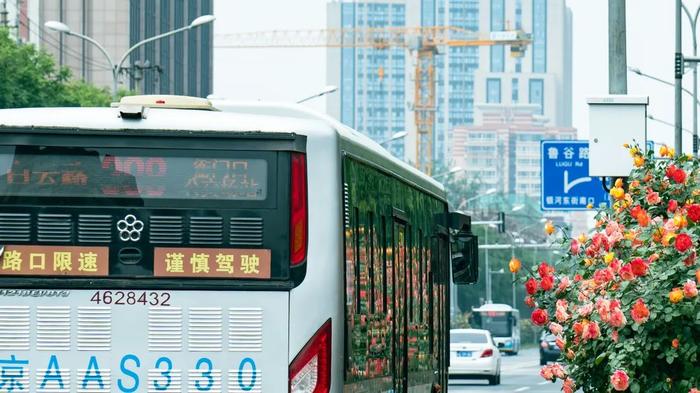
668 237
617 193
638 161
663 150
676 295
609 257
618 182
589 206
582 238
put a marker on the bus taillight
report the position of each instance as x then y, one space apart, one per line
299 215
310 371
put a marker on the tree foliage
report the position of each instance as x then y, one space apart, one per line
29 77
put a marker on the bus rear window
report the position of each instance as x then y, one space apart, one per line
39 171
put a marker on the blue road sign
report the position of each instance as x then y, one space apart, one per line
565 181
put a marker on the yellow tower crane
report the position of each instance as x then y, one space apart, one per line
425 42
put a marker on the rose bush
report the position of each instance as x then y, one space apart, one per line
623 300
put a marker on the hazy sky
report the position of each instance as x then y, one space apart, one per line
291 74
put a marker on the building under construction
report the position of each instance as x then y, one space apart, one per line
377 86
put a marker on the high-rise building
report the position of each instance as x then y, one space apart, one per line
370 91
543 76
374 84
181 64
503 149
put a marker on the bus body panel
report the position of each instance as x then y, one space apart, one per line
318 297
143 340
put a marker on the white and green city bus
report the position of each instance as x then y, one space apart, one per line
503 321
166 246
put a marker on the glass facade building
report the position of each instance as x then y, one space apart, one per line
181 64
373 81
454 71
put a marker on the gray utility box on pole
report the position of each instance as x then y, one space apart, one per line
613 121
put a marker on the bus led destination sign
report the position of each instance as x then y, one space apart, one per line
211 262
55 261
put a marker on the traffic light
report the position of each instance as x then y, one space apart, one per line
501 222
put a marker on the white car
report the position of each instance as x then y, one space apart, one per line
474 355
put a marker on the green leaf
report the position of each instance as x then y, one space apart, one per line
634 387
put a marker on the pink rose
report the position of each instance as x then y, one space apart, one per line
591 331
555 328
585 310
547 373
558 371
652 197
561 343
617 318
561 315
603 308
626 272
575 247
690 289
569 386
564 283
619 380
615 335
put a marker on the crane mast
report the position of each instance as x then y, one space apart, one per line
424 41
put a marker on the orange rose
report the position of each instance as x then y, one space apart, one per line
675 343
548 228
676 295
638 161
514 265
697 275
680 221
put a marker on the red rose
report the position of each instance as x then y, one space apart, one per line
639 267
670 170
545 270
547 283
679 176
672 205
530 302
531 286
683 242
539 317
634 211
694 212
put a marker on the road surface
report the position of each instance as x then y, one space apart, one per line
518 374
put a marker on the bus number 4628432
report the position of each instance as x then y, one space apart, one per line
131 298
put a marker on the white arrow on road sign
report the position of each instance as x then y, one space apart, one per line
568 186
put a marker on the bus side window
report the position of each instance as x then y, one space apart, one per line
369 242
421 276
385 271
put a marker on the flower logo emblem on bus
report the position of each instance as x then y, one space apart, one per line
130 228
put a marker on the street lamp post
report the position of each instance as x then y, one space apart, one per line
327 90
449 172
394 137
116 67
693 19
